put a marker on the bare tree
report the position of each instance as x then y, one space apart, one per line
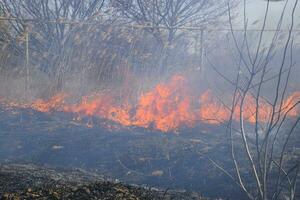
166 18
49 25
171 16
44 14
267 140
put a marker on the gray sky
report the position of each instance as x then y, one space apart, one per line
256 9
255 12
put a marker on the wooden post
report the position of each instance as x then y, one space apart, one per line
27 80
201 53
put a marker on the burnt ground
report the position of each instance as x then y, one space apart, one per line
32 182
130 155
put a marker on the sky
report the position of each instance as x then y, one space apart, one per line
255 10
255 13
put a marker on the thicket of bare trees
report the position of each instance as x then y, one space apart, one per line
46 36
167 19
107 41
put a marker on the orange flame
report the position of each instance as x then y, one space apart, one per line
54 103
212 110
289 102
167 107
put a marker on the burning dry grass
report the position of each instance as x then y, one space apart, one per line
167 107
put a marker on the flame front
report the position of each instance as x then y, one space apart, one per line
167 107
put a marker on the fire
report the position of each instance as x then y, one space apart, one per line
212 110
167 107
289 102
102 106
54 103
